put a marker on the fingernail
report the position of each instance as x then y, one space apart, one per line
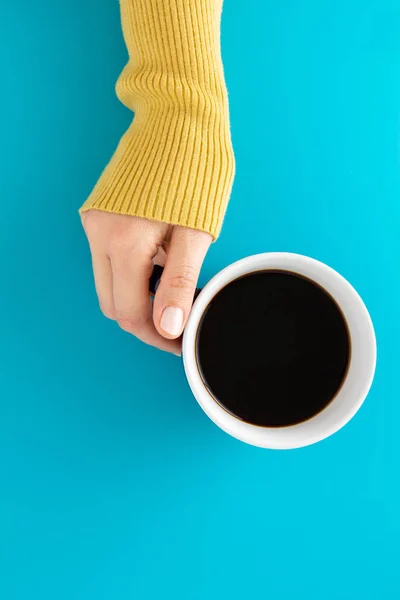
172 320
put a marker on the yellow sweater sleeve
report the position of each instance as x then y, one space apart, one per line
175 162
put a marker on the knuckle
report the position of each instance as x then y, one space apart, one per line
132 323
183 280
126 245
119 242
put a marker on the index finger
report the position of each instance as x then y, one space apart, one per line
133 306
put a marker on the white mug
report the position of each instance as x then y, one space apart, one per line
359 375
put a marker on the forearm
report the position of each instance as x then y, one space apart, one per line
175 163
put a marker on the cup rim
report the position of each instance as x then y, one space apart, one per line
359 375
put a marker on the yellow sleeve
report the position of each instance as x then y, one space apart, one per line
175 162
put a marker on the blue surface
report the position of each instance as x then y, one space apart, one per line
114 484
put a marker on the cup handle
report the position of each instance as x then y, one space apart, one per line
155 279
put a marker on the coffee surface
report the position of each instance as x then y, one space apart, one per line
273 348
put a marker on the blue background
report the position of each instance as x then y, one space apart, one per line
113 483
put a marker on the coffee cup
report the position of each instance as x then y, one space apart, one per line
357 379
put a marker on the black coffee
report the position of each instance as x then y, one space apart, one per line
273 348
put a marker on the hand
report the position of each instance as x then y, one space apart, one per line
124 249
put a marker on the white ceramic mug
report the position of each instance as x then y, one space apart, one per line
359 374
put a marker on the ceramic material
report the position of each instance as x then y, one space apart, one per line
360 372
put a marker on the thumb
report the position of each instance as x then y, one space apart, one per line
174 297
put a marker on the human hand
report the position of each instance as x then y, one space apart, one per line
123 249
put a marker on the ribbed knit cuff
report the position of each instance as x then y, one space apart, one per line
175 163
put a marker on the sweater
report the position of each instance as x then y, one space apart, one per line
175 162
